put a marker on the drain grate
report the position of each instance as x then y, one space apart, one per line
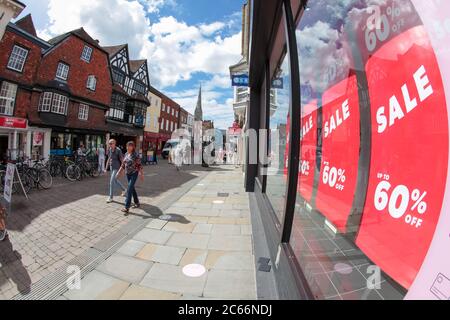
223 195
264 265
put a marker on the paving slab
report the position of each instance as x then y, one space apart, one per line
153 236
226 260
161 254
156 224
136 292
171 278
194 256
98 286
230 243
189 240
125 268
131 248
230 284
203 228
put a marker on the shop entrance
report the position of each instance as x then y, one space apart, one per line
3 148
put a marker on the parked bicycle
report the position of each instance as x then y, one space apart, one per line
82 168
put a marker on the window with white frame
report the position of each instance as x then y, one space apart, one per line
83 112
155 122
7 98
63 71
17 58
176 114
162 124
91 83
167 125
168 109
59 104
46 102
86 55
163 108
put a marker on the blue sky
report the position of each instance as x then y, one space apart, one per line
186 42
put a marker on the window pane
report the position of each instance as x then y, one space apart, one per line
279 129
374 111
17 59
7 98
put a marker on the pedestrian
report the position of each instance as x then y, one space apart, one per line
132 167
115 158
81 152
101 154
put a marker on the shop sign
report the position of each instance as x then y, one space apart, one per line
409 162
15 123
278 83
340 152
240 80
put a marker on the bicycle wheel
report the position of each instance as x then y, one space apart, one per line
94 171
73 173
45 179
28 183
55 169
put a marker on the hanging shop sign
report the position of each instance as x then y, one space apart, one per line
308 155
409 161
241 80
340 152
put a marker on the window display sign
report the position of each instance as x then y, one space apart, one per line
409 159
308 153
340 152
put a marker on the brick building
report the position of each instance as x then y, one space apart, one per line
72 92
169 119
20 55
127 113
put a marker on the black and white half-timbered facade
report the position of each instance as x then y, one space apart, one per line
129 103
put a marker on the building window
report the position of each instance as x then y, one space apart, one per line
91 83
118 77
45 102
162 124
86 55
155 122
17 58
62 72
177 114
7 98
59 104
163 108
168 109
83 112
167 125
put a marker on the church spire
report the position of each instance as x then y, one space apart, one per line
198 109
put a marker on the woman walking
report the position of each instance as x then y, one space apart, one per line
133 169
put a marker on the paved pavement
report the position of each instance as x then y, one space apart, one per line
55 227
211 227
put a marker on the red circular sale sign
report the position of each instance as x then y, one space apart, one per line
340 152
409 155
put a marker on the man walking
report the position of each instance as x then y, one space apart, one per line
115 158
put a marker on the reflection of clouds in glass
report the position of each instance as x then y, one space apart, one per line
323 59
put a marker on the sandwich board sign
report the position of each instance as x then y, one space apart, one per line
11 173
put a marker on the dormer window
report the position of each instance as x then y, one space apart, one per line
86 55
62 72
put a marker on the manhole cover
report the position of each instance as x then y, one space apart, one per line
223 195
194 270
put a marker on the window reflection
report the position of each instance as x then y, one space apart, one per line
369 82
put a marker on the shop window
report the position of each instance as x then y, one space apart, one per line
62 72
86 54
8 93
91 83
373 112
83 112
17 58
279 140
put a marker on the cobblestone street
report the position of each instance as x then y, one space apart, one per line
53 228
